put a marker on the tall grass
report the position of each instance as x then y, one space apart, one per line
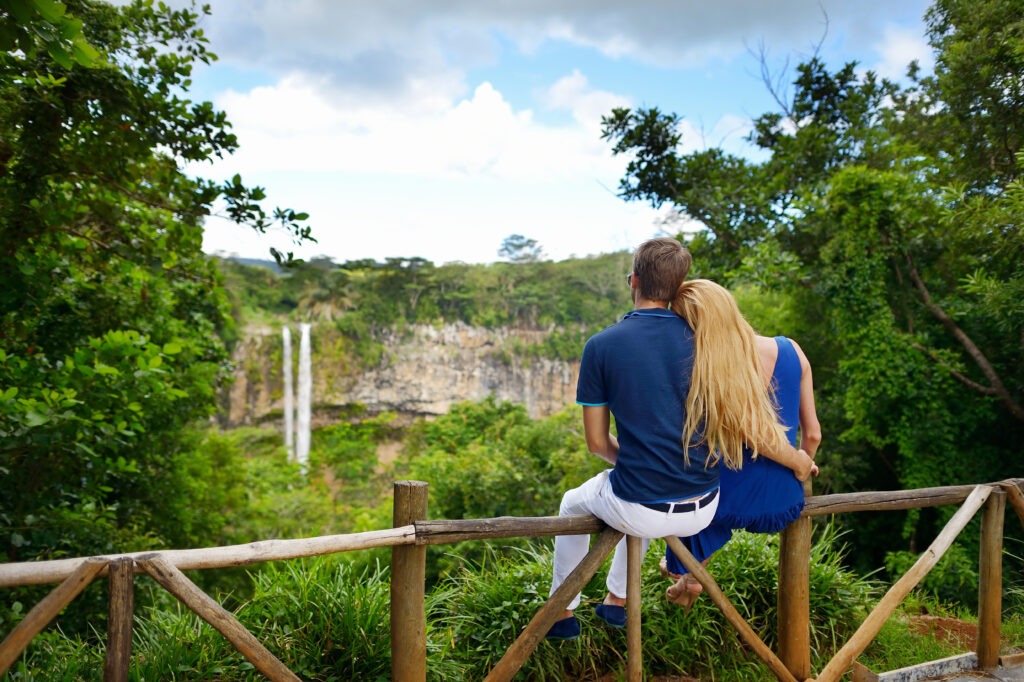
485 607
325 619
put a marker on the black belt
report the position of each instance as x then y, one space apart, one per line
680 507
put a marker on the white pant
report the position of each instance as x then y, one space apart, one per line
596 497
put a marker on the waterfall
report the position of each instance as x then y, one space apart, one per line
305 399
289 396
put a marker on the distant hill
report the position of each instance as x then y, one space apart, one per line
254 262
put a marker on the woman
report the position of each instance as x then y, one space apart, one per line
764 496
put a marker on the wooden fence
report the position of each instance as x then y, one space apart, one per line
411 534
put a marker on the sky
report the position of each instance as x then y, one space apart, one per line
437 129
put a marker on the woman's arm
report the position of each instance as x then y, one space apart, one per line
782 452
810 429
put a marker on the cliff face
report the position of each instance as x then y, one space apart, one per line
422 372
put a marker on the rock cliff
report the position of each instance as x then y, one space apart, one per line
423 370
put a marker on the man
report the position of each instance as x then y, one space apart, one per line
638 370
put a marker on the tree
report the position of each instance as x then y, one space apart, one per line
111 317
979 82
519 249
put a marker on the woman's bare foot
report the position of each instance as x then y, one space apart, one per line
663 567
684 592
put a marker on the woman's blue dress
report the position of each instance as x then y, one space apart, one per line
763 496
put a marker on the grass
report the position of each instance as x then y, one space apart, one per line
899 645
486 606
925 629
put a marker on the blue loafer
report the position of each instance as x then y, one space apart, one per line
567 628
615 616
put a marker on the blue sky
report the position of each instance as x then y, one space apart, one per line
437 129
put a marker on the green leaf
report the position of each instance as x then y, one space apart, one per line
172 348
60 55
50 10
71 28
33 418
21 10
84 53
8 38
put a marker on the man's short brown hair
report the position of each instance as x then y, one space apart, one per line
661 265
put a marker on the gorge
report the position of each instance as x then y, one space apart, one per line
422 370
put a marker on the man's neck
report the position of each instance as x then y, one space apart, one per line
643 303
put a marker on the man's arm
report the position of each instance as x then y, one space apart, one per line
797 460
597 429
801 463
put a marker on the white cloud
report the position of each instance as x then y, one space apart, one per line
380 182
373 116
295 126
574 94
898 48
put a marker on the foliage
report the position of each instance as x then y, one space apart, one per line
489 459
954 580
488 605
111 318
881 230
369 296
28 25
519 249
345 454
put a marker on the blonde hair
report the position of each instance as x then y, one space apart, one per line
728 396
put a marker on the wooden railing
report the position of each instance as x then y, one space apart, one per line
411 534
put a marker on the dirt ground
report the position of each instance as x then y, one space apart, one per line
962 635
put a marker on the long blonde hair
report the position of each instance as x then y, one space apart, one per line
728 396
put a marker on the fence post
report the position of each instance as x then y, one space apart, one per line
408 581
634 647
119 630
990 580
794 599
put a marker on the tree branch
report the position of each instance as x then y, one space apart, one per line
996 386
111 250
970 383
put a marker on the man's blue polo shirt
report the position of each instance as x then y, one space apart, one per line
640 367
